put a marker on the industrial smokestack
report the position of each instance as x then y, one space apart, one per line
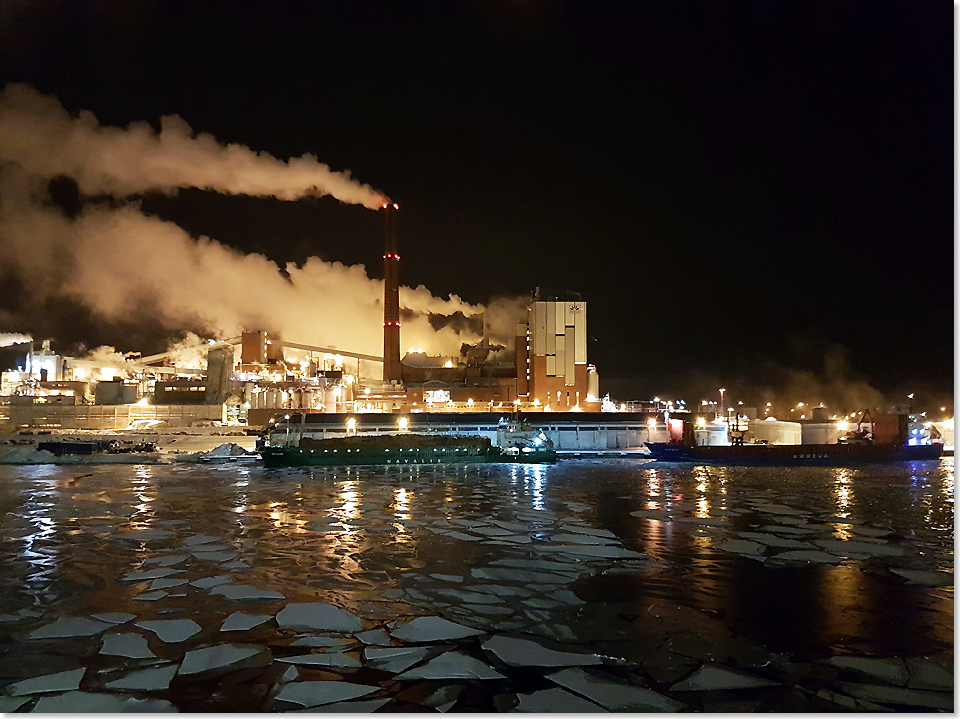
391 297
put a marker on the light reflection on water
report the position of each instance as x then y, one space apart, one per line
347 533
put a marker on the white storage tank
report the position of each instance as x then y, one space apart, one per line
775 431
713 435
820 432
593 384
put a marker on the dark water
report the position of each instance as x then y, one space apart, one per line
663 566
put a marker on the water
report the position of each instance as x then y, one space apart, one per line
659 568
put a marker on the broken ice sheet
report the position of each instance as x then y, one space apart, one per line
872 549
167 561
59 682
526 653
167 583
925 578
377 637
447 577
432 629
361 707
603 551
709 678
239 621
898 696
556 700
150 574
66 627
151 596
330 659
395 659
171 631
223 658
806 555
129 645
244 592
614 695
318 615
215 556
891 670
452 665
210 582
147 680
8 705
90 702
199 539
115 617
311 694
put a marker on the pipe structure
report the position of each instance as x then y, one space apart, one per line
391 297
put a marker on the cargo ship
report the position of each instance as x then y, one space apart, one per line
794 454
399 449
884 439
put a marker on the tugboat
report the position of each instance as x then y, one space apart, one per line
859 447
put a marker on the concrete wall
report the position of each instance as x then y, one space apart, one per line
99 417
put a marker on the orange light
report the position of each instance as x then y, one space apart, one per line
396 206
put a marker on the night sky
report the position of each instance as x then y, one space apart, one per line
744 193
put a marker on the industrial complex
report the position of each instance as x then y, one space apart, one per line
256 380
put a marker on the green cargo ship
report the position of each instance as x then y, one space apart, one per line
402 449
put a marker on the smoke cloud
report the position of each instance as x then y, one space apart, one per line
39 135
8 339
121 263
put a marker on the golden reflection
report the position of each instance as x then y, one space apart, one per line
947 489
843 478
703 508
401 499
350 509
653 483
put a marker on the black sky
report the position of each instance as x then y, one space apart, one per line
717 180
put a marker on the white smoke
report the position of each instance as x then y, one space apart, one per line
38 134
7 339
116 260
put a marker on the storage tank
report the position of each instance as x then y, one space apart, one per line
714 434
775 431
820 432
330 399
593 384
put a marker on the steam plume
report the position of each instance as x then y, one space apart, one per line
38 134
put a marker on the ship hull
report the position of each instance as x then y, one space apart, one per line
829 455
281 456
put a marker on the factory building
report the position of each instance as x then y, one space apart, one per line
546 371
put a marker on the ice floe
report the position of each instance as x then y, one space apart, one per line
328 659
239 621
59 682
153 679
526 653
925 577
115 617
395 659
614 695
711 678
132 646
65 627
452 665
432 629
319 616
890 670
223 658
245 593
311 694
171 631
95 703
556 700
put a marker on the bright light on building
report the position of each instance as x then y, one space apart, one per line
448 364
701 422
470 402
843 426
402 424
